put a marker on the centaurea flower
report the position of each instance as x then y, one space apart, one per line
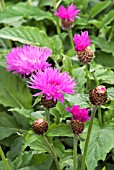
67 15
27 59
52 84
83 51
79 116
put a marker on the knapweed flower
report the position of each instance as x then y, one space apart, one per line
81 41
83 51
67 15
79 116
78 113
27 59
52 84
98 95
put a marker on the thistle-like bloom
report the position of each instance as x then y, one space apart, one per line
27 59
81 41
79 114
69 13
52 84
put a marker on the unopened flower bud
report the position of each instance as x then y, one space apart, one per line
66 24
48 103
98 95
77 126
85 56
40 126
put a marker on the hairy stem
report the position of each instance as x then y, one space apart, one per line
88 137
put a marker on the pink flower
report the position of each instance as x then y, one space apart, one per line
81 41
52 84
78 113
69 13
27 59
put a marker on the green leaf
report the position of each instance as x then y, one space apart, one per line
109 166
110 92
45 3
55 113
2 57
14 92
34 141
32 36
61 109
60 130
37 100
79 74
106 59
67 64
108 18
95 22
15 148
2 167
8 126
17 12
101 142
33 161
79 99
108 115
104 45
56 45
104 75
99 7
59 148
22 112
26 35
21 118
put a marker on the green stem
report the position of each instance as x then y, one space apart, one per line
75 152
4 159
100 116
71 38
57 21
47 116
52 152
88 137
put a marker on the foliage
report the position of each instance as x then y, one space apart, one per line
34 23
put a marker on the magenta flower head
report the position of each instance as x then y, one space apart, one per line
78 113
81 41
83 51
27 59
79 116
52 84
67 15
